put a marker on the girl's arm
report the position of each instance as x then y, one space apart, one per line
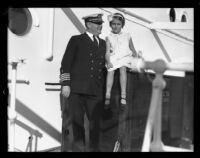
131 46
107 56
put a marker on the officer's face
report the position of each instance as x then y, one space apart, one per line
116 25
95 28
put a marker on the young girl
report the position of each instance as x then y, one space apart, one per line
118 45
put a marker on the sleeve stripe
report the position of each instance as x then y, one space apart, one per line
61 80
64 77
65 74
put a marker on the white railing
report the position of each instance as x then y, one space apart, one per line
152 137
11 108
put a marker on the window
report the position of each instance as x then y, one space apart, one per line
172 15
183 18
19 21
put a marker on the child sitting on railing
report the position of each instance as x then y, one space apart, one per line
119 50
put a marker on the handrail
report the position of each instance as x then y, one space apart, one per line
181 66
21 81
32 132
28 128
12 113
52 83
160 65
154 123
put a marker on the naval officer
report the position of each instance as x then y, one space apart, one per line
82 75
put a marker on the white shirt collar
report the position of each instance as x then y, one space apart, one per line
91 36
116 34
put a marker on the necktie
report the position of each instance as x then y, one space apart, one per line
95 41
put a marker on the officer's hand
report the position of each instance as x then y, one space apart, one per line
66 91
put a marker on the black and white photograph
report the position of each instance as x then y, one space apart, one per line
100 79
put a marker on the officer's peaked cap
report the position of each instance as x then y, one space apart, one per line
96 18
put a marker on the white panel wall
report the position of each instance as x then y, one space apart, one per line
37 70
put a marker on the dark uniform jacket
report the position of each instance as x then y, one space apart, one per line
83 65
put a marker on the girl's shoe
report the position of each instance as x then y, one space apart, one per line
123 103
107 103
107 114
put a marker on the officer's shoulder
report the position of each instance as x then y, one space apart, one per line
102 39
76 36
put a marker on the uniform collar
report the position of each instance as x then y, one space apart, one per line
91 36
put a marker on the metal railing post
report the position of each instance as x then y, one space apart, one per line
154 120
158 85
11 112
11 108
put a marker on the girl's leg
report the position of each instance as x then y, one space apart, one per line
109 84
123 83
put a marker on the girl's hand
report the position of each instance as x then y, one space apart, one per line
140 54
134 55
109 65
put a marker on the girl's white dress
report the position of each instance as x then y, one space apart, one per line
120 52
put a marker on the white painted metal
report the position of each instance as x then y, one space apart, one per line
38 70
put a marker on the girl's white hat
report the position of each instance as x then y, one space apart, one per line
110 17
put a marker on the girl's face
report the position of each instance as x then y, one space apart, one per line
116 25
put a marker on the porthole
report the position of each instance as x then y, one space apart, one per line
19 21
183 18
172 15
